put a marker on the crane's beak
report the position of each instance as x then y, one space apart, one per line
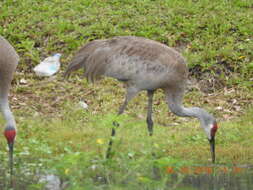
212 148
11 147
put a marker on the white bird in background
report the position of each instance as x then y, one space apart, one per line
8 63
142 64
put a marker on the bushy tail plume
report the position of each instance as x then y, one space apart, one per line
77 62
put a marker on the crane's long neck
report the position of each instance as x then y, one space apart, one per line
182 111
7 114
175 104
10 129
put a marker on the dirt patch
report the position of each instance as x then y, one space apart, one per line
47 97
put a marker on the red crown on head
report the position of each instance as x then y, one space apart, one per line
10 135
214 129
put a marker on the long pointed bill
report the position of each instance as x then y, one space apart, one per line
11 147
212 148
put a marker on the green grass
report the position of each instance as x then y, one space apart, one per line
55 135
215 35
74 149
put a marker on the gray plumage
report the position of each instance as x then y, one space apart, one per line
142 64
130 59
8 63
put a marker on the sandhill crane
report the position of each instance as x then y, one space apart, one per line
142 64
8 63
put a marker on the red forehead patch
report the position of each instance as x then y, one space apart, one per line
10 135
214 129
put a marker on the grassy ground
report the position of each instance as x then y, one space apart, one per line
56 135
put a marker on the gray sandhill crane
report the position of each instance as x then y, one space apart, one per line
142 64
8 63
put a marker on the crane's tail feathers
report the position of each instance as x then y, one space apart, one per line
87 58
77 62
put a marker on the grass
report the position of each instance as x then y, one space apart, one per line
211 33
74 149
56 136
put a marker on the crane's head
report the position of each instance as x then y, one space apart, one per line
10 134
210 126
213 129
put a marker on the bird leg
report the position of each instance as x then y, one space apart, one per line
108 152
131 92
149 117
149 114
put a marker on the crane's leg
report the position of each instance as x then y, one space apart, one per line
149 115
130 94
